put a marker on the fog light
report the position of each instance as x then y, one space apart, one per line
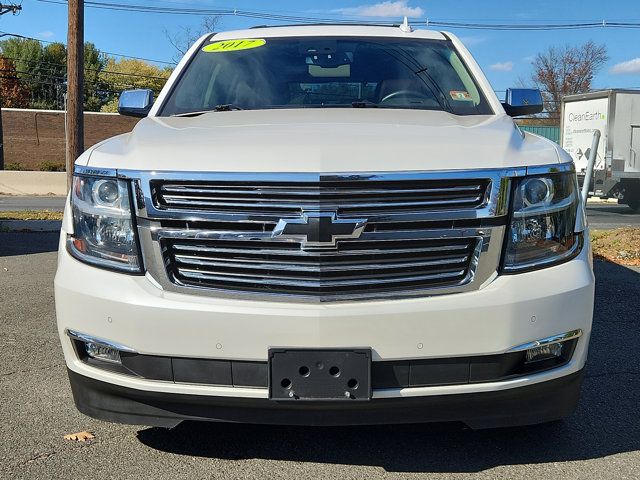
89 348
544 352
102 352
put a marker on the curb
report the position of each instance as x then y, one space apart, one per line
30 225
596 200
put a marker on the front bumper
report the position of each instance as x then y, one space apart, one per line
528 405
507 311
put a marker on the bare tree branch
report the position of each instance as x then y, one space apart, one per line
182 40
565 71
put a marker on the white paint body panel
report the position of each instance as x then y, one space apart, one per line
132 311
323 140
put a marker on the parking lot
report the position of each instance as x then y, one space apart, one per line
602 440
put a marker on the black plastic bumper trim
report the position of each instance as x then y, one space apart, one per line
384 374
537 403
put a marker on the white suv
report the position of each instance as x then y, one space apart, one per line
326 225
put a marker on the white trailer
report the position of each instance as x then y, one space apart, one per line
616 113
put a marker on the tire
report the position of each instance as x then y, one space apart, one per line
634 204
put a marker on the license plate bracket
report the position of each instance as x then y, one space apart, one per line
320 375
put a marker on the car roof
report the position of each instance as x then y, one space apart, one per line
320 30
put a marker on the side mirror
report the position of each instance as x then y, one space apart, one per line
523 101
135 103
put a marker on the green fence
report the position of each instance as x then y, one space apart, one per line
552 133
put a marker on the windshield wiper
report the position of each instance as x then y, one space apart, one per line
364 104
226 107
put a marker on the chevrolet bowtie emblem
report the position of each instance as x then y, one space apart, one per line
318 229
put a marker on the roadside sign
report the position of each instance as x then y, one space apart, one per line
579 122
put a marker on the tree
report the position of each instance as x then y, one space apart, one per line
566 70
54 60
187 36
94 89
127 74
13 92
43 73
44 70
26 56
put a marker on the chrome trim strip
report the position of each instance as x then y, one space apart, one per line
312 192
325 177
254 264
283 280
90 339
94 171
495 203
562 337
554 168
563 204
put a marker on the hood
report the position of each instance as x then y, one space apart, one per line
323 140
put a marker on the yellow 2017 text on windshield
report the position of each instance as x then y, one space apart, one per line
234 45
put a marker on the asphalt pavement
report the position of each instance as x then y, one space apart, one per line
601 440
606 216
9 203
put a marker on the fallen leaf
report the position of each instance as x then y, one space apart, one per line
79 437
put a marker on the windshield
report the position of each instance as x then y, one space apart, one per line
326 72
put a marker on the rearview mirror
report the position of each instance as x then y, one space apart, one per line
135 103
523 101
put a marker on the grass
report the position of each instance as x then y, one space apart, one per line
621 245
31 215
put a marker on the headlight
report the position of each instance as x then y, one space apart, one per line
104 234
543 222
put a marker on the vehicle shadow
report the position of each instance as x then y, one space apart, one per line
27 243
605 423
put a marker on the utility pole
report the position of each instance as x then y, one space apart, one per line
75 86
5 9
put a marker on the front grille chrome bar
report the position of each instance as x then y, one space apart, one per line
424 233
443 195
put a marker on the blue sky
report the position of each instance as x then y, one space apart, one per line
505 56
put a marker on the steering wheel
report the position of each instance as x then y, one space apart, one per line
405 93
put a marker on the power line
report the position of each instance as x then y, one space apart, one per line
94 70
11 8
309 19
17 35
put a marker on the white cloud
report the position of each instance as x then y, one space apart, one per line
46 34
383 9
502 66
631 66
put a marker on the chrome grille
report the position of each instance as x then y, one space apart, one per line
356 268
374 235
361 197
